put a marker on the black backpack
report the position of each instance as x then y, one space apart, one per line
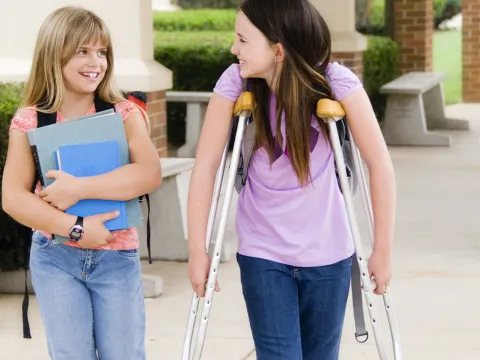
44 119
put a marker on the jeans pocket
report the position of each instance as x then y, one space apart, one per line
40 241
128 253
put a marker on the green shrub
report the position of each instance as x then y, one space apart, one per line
11 232
380 65
195 20
200 4
376 20
197 60
443 10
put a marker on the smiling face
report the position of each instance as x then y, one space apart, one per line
257 57
86 69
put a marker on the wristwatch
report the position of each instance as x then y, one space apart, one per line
76 231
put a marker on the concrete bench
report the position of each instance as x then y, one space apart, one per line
197 103
168 228
168 225
168 215
416 105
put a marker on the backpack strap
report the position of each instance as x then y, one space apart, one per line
43 119
101 105
140 99
357 302
27 240
147 197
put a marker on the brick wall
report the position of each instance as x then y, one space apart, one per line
156 109
471 50
352 60
414 34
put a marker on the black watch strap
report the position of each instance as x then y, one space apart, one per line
79 221
76 231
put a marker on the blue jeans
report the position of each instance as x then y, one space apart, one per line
91 301
295 313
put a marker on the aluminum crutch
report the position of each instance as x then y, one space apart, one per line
242 109
210 225
331 111
367 206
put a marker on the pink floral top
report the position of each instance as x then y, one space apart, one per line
26 119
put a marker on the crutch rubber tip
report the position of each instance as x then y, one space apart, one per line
329 108
244 102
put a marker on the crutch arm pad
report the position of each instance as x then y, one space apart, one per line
244 102
329 108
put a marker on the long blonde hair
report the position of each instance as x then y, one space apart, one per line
60 36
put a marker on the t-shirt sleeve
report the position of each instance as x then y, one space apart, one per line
25 119
126 108
229 85
343 81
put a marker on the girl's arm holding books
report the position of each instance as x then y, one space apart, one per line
28 209
139 177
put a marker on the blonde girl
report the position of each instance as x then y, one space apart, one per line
89 288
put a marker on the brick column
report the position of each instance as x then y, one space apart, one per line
352 60
471 50
348 44
156 109
414 34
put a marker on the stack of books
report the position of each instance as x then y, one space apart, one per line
87 146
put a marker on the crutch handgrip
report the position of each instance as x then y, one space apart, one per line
244 102
328 109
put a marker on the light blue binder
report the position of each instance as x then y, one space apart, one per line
102 126
91 159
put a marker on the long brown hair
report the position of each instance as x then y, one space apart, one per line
60 36
302 31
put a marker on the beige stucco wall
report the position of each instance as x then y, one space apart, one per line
340 18
130 22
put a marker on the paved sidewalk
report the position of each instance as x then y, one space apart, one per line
435 289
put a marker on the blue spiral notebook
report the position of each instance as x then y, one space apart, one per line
99 127
91 159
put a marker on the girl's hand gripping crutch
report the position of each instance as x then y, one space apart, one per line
331 111
242 109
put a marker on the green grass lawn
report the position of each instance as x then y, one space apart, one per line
447 58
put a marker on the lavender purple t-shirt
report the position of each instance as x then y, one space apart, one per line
279 220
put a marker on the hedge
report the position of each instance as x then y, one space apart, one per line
197 59
380 65
195 20
201 4
11 232
223 18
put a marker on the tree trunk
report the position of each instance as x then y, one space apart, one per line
362 11
389 18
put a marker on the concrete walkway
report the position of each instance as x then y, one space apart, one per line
435 288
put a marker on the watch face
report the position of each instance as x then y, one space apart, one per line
76 233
